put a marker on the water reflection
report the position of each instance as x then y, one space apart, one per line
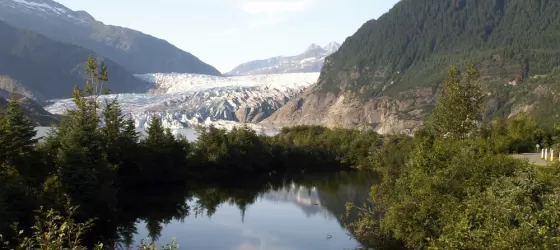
301 212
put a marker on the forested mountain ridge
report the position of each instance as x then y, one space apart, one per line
134 50
40 68
387 75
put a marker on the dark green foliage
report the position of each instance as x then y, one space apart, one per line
241 149
453 191
16 201
340 147
304 148
519 134
17 143
164 157
16 138
412 44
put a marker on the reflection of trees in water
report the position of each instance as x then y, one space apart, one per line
157 207
326 194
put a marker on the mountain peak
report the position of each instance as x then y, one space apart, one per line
313 46
83 15
48 6
332 47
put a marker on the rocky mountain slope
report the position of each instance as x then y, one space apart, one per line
32 110
388 74
309 61
188 100
40 68
137 52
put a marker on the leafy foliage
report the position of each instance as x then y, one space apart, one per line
459 106
463 192
55 231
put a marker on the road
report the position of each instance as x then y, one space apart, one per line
534 158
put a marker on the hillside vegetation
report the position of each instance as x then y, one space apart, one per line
410 44
389 73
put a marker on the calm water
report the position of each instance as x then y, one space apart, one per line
272 213
290 214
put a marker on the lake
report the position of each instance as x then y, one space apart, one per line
274 212
300 212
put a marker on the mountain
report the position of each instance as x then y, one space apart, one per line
188 100
388 74
40 68
32 110
137 52
309 61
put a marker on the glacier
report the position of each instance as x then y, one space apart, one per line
190 100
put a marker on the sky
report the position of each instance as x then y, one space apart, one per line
226 33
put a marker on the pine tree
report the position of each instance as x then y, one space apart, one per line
113 124
155 132
19 168
129 154
80 146
17 134
129 133
166 157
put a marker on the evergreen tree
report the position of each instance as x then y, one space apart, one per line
16 134
114 124
166 156
155 132
128 151
20 169
129 133
80 146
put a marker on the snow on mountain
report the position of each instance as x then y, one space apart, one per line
332 47
46 8
311 60
303 197
188 100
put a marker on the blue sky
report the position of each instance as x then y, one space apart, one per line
226 33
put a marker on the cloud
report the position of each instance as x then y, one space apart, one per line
261 241
274 6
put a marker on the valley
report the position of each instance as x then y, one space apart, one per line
189 100
353 85
237 133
